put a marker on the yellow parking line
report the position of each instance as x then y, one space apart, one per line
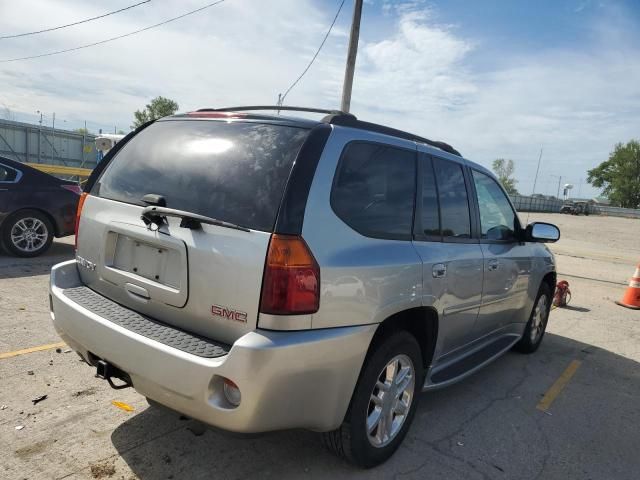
558 386
24 351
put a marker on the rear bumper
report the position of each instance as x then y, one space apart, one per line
287 379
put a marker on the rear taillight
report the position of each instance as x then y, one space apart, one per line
73 188
291 283
83 197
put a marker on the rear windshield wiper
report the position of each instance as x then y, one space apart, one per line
157 216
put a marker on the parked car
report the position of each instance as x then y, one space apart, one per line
34 208
581 208
575 207
261 272
567 207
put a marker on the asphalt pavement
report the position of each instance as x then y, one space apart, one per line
571 410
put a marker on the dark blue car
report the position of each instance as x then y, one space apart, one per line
34 208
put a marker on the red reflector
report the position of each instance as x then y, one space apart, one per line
291 283
73 188
217 114
83 197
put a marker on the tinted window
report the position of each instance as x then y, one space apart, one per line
373 191
7 174
429 216
234 171
454 205
497 218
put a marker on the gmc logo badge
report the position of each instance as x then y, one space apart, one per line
228 313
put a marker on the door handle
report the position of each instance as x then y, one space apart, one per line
493 265
439 270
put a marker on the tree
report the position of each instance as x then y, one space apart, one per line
619 177
159 107
82 131
504 171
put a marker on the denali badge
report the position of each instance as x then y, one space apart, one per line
225 312
83 262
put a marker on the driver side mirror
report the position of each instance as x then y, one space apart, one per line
542 232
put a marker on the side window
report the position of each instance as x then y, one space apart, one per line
7 174
429 214
374 188
497 218
454 204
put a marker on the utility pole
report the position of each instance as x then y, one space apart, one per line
39 136
53 136
579 188
351 57
559 177
535 179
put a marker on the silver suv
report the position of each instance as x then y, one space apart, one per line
261 272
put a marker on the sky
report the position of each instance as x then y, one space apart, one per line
494 78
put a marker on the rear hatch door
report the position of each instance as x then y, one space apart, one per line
206 279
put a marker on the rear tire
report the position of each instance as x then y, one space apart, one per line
537 324
396 399
27 233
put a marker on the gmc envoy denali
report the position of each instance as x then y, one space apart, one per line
260 272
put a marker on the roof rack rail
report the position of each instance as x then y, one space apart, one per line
338 117
351 121
276 107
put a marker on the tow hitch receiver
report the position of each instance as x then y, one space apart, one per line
106 371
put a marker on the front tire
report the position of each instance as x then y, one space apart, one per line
537 324
27 233
383 403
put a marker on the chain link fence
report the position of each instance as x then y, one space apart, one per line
536 204
552 205
30 143
615 211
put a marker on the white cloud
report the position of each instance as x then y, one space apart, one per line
578 104
421 65
238 52
422 76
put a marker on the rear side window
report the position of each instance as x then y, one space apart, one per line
7 174
231 171
454 204
374 189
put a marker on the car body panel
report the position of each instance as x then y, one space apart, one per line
218 267
389 270
300 379
37 190
283 364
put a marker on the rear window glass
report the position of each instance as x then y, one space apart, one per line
231 171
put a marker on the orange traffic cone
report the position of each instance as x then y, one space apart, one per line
631 298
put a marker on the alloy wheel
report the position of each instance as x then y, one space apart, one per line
29 234
390 401
538 318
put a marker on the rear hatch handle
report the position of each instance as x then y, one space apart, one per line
154 217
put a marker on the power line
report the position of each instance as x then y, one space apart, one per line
101 42
74 23
282 97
